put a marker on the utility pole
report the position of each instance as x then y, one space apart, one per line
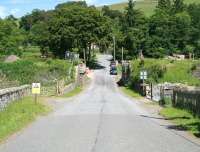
84 54
114 47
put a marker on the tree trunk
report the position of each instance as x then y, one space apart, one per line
89 55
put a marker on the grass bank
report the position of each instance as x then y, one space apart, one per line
18 114
130 92
183 120
163 70
72 93
146 6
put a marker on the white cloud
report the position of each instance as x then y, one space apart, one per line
3 12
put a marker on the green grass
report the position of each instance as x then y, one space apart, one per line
31 52
74 92
37 70
176 71
146 6
182 119
130 92
18 114
180 72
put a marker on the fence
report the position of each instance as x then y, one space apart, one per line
187 99
158 92
11 94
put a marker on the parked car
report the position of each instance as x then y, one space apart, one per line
113 70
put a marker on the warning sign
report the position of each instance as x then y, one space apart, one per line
36 88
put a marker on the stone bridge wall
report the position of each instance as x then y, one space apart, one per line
12 94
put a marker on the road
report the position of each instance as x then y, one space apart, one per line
100 119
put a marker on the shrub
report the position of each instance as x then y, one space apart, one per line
156 72
194 67
45 72
22 71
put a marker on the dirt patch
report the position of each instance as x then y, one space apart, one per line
11 58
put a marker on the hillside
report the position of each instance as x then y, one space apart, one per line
147 6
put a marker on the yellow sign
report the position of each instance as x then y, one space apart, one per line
36 88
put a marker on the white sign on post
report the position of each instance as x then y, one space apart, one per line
36 88
143 75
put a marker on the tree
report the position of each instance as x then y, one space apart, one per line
11 37
71 4
39 35
178 6
194 11
76 26
113 14
181 30
130 14
133 26
164 5
36 16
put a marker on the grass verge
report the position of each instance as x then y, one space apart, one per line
130 92
182 119
74 92
176 71
18 114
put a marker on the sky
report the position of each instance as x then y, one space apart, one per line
19 8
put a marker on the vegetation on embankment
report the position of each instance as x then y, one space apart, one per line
182 119
72 93
18 114
146 6
130 92
35 70
164 70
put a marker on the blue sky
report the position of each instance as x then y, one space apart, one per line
20 7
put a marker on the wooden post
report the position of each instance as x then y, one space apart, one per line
122 54
84 55
36 96
143 87
57 87
151 85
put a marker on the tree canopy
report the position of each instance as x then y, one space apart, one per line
74 26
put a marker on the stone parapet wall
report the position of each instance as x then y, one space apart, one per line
12 94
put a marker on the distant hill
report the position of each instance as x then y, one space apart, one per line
147 6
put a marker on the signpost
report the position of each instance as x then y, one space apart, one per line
82 70
143 77
36 87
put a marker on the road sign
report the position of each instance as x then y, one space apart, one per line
36 88
143 75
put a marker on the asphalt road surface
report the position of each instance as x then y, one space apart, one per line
98 120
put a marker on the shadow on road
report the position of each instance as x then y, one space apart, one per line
181 127
173 118
94 65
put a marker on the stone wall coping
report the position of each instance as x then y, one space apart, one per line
13 89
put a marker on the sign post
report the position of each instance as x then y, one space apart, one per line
143 77
82 70
36 90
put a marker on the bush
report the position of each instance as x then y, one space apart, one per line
22 71
156 72
194 67
27 72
